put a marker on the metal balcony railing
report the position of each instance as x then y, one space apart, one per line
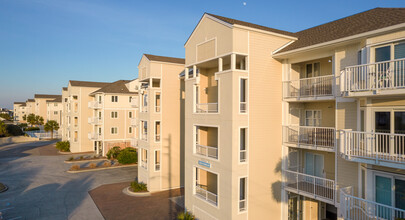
375 76
207 151
206 195
309 87
206 107
95 104
319 138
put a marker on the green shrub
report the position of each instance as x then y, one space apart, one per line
63 146
13 130
113 152
128 156
32 129
185 216
23 126
71 158
139 187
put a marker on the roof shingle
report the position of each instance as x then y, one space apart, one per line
87 83
116 87
165 59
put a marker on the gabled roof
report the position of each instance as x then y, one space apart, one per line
64 88
345 27
19 103
58 99
165 59
45 96
115 87
87 83
30 100
251 25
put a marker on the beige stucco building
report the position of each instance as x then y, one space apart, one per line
19 110
305 125
40 105
160 145
54 110
114 114
76 127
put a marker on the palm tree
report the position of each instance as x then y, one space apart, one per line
31 119
3 129
51 125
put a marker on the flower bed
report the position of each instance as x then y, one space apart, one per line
84 159
100 166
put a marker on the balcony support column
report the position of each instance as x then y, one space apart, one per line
194 71
220 65
186 72
233 61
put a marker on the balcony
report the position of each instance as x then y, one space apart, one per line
356 208
95 136
144 136
95 104
315 138
144 109
310 186
134 142
309 88
144 164
206 186
374 148
207 151
95 120
386 77
206 108
210 197
133 122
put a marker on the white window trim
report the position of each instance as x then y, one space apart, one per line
218 186
112 132
246 144
313 110
114 117
154 161
154 133
195 142
246 95
246 196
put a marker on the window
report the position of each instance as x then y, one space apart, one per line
114 130
242 194
114 114
130 130
55 104
144 158
243 95
130 114
313 70
130 99
157 160
242 148
55 112
157 102
313 118
75 97
157 131
114 98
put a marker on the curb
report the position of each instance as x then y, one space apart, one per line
135 194
82 161
101 168
65 153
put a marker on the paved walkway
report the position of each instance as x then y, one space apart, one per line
39 187
114 204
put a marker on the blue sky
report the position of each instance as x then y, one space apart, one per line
45 43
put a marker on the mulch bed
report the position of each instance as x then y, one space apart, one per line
114 204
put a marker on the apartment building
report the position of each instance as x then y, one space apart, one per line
233 112
305 125
76 100
54 110
65 113
19 109
114 116
344 118
30 106
40 106
160 122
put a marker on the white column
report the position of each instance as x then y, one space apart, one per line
194 71
186 73
220 65
233 61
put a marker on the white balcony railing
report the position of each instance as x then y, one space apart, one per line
242 205
309 87
95 104
310 186
372 146
95 120
144 164
134 142
207 151
375 76
243 107
206 195
144 136
157 108
94 136
134 103
144 108
157 167
319 138
355 208
206 107
133 122
242 156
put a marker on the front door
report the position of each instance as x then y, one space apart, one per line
383 195
314 164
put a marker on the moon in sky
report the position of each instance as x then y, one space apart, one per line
244 3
